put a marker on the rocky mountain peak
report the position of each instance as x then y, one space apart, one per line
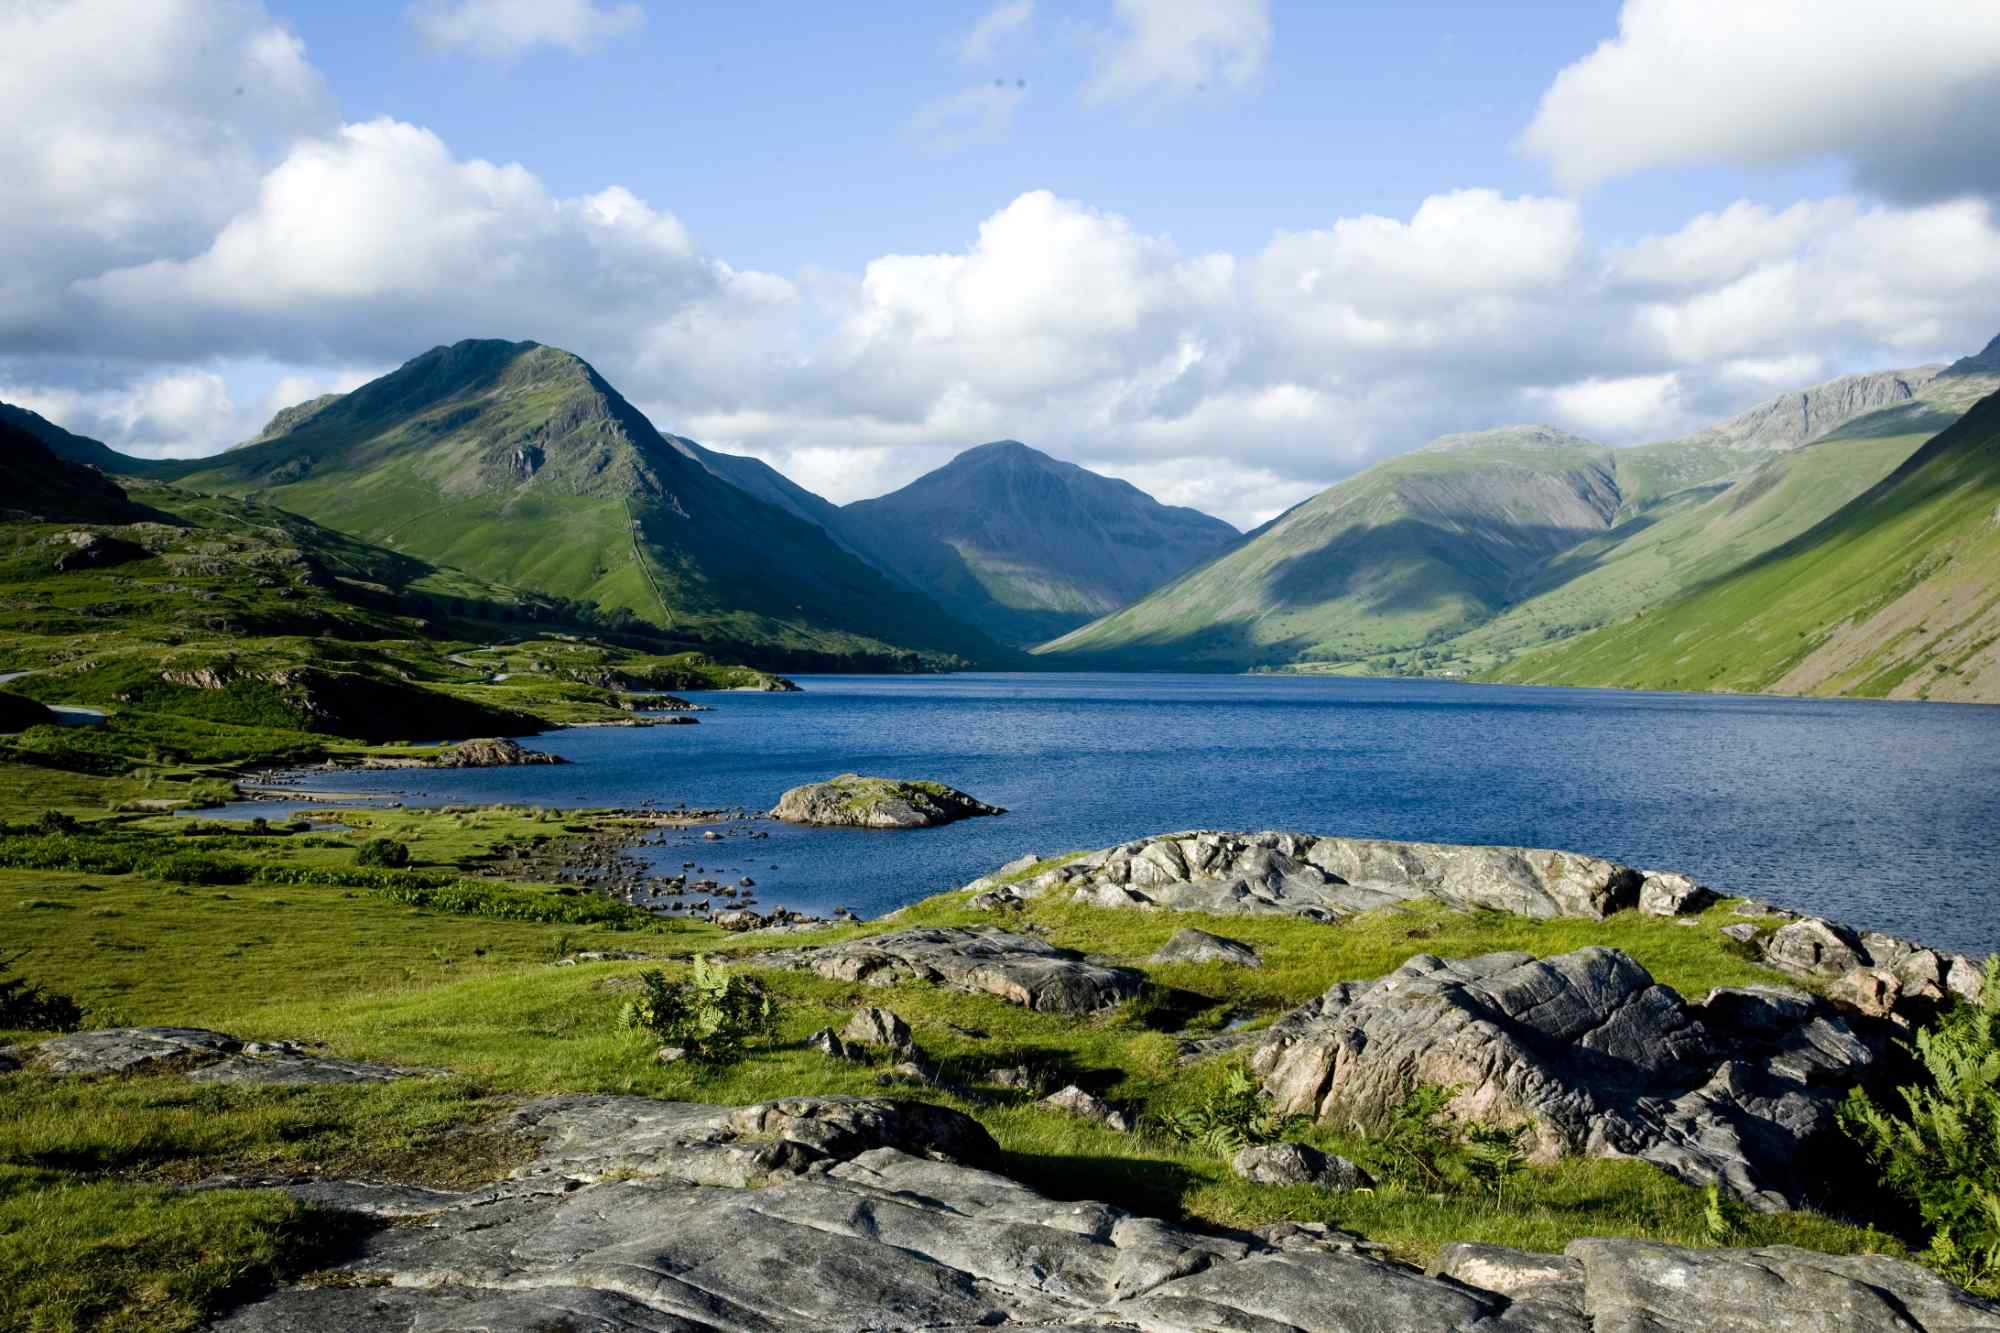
1984 363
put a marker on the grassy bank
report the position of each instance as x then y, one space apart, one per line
93 1234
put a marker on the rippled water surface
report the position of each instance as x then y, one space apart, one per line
1883 814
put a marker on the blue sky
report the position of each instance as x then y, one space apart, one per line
790 129
1231 250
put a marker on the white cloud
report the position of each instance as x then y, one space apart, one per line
188 412
1239 382
1907 95
137 127
508 29
1634 407
995 26
982 113
379 239
1176 47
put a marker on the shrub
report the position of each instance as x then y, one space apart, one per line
1231 1117
1420 1146
55 821
1939 1151
26 1007
712 1014
196 868
385 852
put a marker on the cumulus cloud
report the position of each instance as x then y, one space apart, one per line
137 128
181 413
508 29
995 26
1176 47
379 237
1908 96
1239 382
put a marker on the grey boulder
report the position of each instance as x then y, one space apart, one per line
1326 878
1587 1054
1198 946
1297 1164
1018 968
205 1057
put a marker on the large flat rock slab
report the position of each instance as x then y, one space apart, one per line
838 1215
1018 968
1326 878
1588 1053
205 1057
854 801
1648 1287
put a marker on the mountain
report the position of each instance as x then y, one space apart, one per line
77 448
1025 546
1426 543
1896 594
1417 564
41 485
519 463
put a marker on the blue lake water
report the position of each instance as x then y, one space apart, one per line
1886 815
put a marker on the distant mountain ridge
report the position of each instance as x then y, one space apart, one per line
1026 546
1894 594
518 462
1480 545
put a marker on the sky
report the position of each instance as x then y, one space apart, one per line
1230 250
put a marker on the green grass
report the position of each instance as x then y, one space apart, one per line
90 1235
1891 596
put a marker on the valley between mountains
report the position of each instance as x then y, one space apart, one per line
1521 553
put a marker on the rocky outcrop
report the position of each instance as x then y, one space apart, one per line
1299 874
1198 946
871 1214
1670 893
1637 1286
1017 968
492 752
1879 976
1072 1100
204 1057
852 801
1588 1054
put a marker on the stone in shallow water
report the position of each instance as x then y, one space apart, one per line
853 801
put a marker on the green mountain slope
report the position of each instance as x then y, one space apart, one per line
77 448
1425 595
42 485
1414 548
1896 594
519 463
1026 546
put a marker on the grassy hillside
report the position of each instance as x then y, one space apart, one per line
212 633
1398 570
1409 551
520 464
1897 595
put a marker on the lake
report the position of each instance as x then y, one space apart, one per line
1885 815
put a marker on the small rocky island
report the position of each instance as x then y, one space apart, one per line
492 752
853 801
